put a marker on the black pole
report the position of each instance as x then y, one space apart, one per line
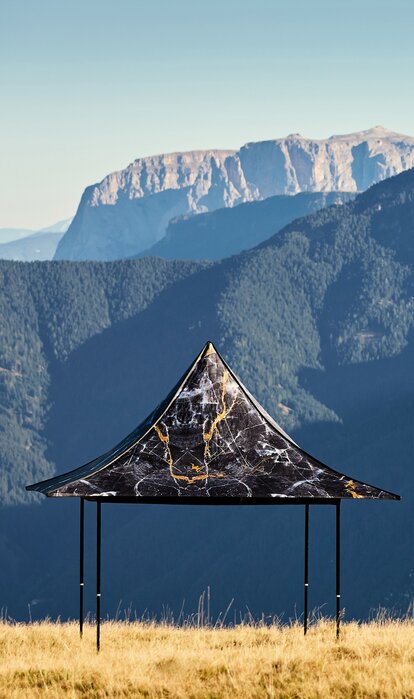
98 576
306 576
338 567
81 563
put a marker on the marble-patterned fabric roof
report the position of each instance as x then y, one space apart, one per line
208 439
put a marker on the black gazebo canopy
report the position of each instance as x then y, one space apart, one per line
208 442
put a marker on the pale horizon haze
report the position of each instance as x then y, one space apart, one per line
87 87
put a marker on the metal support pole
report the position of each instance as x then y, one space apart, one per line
338 567
98 576
81 563
306 576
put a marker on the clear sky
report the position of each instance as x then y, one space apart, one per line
87 86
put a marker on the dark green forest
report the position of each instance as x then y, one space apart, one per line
332 289
48 310
317 322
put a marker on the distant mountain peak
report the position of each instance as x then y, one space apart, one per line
129 210
58 227
373 132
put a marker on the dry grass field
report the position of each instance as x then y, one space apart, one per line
248 662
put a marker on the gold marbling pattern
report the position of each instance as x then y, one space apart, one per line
210 440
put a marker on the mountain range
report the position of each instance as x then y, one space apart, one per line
9 234
129 211
226 232
318 323
27 245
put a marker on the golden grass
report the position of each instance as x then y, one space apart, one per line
245 662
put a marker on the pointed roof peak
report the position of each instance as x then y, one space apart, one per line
210 438
209 349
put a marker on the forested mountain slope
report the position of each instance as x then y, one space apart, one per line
226 232
317 322
47 311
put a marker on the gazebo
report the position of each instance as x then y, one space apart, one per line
208 443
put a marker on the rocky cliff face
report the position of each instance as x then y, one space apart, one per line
129 210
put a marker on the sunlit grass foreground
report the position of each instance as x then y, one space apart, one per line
149 660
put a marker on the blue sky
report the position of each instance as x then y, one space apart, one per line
88 86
